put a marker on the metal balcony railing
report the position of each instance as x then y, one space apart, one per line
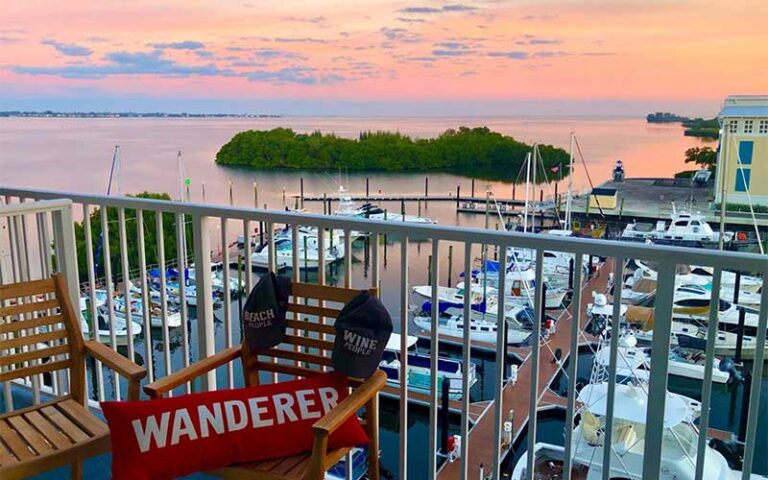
39 235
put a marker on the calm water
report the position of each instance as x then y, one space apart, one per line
75 154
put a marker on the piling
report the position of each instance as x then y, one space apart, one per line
458 196
283 196
541 195
473 188
742 315
231 194
426 187
240 279
450 264
301 190
555 190
255 195
325 204
514 185
402 209
202 186
445 415
419 204
367 185
570 274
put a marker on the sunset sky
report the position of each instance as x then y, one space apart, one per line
414 57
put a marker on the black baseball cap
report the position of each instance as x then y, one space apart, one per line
263 317
363 328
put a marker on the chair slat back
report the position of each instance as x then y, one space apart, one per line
306 349
39 331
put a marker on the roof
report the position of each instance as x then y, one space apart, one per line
749 106
631 403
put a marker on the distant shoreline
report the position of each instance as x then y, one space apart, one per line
52 114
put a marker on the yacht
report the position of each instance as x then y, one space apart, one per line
309 251
452 324
348 208
419 364
521 284
102 325
685 229
679 449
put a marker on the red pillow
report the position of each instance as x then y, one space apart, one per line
171 437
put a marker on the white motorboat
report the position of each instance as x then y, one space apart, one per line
680 439
692 304
684 229
636 289
697 275
479 331
521 283
102 325
419 373
309 252
348 208
172 316
635 361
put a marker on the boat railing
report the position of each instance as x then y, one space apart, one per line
46 231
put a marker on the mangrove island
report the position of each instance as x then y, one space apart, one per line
475 152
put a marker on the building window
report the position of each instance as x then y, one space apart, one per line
733 126
748 126
746 147
742 179
763 128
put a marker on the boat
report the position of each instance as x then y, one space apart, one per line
359 466
641 319
348 208
309 252
698 275
618 172
680 434
521 282
173 316
419 364
637 290
684 229
680 440
479 330
102 325
635 361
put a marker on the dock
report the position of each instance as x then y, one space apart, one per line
516 397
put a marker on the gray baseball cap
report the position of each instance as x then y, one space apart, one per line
263 317
363 328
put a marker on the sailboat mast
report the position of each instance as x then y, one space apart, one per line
570 186
533 185
113 169
527 190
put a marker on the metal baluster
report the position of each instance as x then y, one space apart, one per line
146 297
535 354
573 363
706 393
206 342
404 298
94 327
348 258
501 353
757 381
226 280
110 291
466 359
248 250
160 238
272 266
126 279
618 274
434 353
181 265
657 392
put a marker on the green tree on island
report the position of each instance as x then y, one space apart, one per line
477 152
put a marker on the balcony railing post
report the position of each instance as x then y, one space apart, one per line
201 227
657 387
66 252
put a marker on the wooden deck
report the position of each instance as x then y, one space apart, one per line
517 397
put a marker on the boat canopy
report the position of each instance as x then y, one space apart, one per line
631 404
393 344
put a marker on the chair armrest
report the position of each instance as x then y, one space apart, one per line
350 405
159 387
114 360
119 364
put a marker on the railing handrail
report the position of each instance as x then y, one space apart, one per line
13 209
711 258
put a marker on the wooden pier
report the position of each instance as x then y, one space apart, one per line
516 397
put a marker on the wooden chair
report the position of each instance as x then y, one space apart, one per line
304 353
40 333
